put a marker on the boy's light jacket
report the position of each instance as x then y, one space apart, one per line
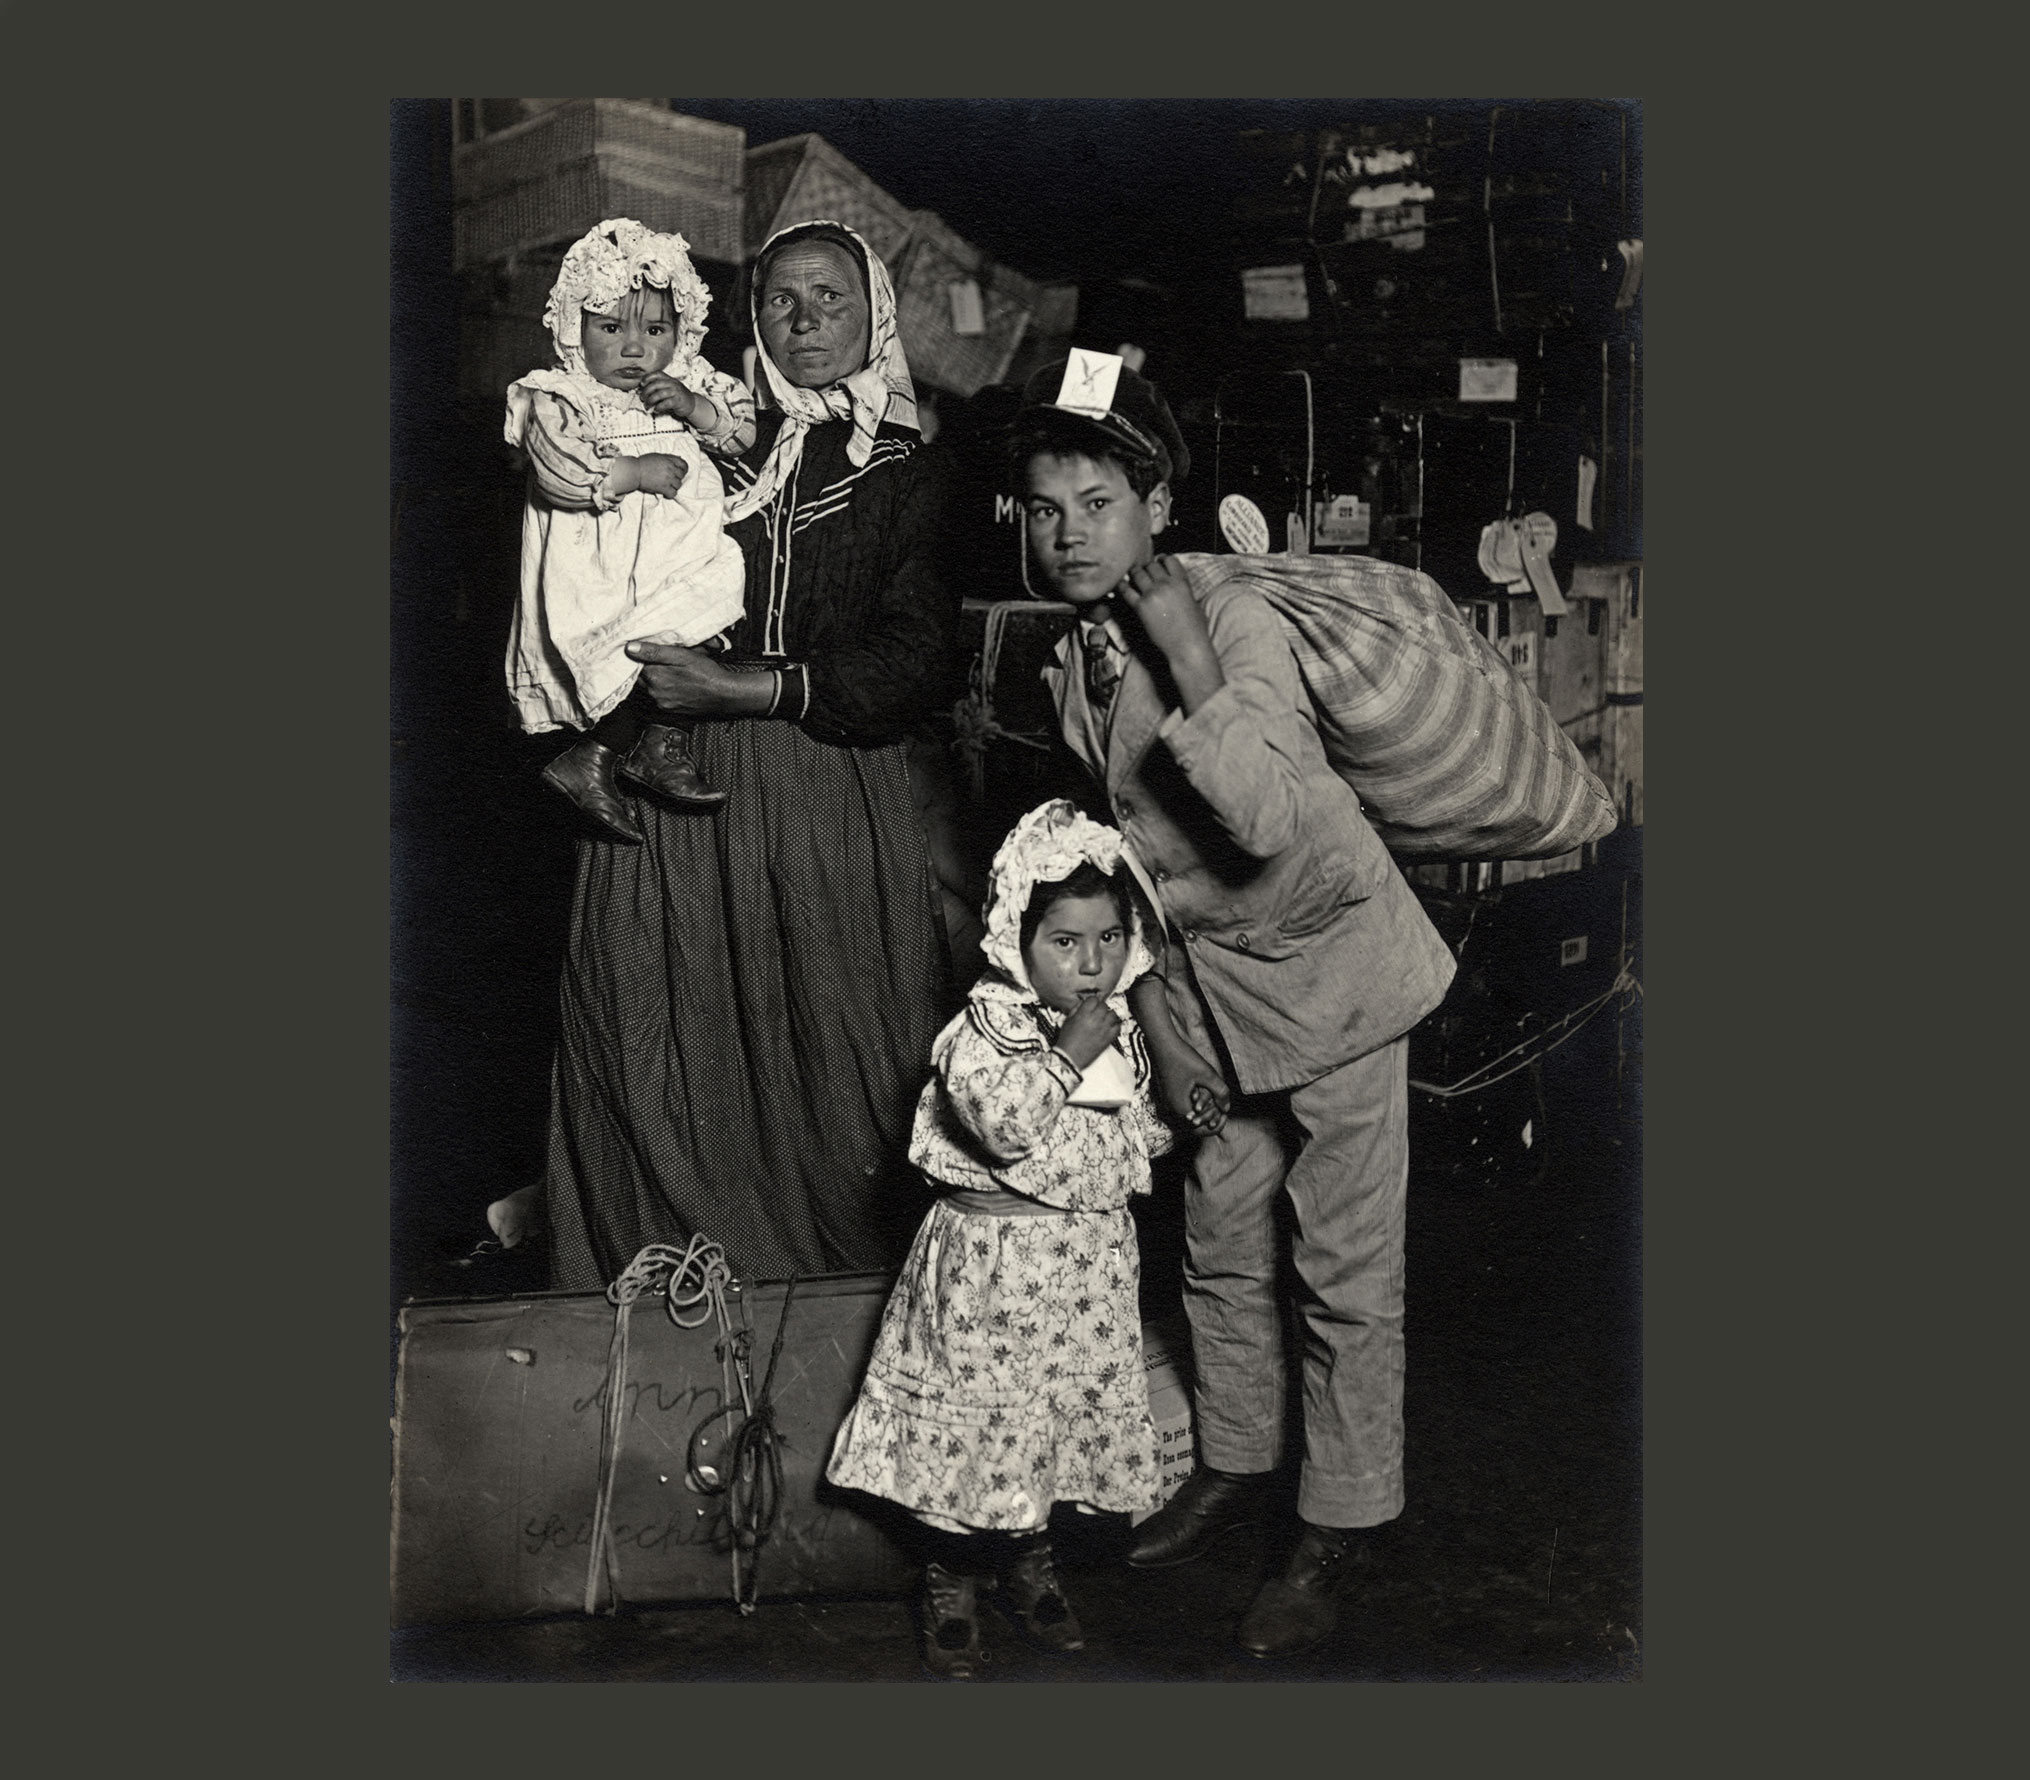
1306 944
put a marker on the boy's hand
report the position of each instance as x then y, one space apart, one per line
1160 598
657 474
1092 1027
1192 1090
662 394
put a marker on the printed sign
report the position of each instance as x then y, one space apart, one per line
1342 521
1487 380
1275 293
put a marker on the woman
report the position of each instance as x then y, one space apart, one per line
749 998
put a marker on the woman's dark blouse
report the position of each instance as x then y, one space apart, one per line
844 579
749 1000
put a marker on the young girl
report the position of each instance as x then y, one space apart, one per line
623 537
1008 1373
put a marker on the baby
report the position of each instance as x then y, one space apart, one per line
623 536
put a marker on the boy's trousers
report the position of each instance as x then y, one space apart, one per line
1346 1181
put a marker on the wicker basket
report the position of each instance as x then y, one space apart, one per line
554 176
939 355
805 179
1056 309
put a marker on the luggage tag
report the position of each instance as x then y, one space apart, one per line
1536 534
1108 1083
1501 555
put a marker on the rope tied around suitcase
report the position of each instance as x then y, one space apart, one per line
696 1276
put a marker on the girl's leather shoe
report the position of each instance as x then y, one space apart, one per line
952 1650
1207 1504
1035 1599
1295 1608
585 775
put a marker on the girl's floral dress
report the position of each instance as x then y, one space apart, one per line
1008 1372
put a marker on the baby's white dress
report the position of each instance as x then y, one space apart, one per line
653 568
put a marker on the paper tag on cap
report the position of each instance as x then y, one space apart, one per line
1089 380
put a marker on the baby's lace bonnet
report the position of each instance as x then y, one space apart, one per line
618 256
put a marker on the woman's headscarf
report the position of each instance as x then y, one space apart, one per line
1045 847
880 390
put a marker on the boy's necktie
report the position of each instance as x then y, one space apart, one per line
1105 662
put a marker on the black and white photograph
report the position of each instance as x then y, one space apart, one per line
1017 890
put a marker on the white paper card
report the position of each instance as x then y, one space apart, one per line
1089 380
1487 380
1109 1082
968 317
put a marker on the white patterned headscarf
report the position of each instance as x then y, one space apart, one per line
879 391
618 256
1045 847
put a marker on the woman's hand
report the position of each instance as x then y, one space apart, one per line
659 474
689 683
1161 599
1091 1028
662 394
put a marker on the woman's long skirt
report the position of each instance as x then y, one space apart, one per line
748 1002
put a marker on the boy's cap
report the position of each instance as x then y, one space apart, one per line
1101 389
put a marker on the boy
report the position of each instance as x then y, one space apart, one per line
1304 961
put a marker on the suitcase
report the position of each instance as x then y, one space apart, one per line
500 1417
498 1429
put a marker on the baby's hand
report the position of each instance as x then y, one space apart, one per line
1207 1113
1092 1027
1193 1091
658 474
663 394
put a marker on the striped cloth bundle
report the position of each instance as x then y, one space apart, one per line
1451 755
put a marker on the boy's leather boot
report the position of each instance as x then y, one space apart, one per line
1295 1608
1207 1504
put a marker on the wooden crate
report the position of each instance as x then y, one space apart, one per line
1523 871
554 176
1608 730
1617 589
805 179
